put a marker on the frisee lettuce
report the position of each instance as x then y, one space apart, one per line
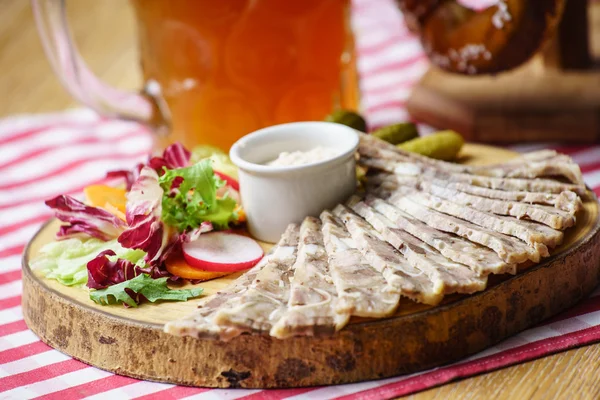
191 198
142 285
169 201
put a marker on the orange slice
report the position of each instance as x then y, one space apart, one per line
100 195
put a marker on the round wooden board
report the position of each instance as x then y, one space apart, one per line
131 341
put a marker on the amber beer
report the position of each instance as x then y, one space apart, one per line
228 67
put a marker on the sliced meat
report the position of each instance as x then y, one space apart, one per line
201 323
511 184
566 201
395 167
412 282
528 232
536 166
543 163
313 297
516 184
265 300
537 155
454 277
508 248
558 166
362 290
553 217
481 259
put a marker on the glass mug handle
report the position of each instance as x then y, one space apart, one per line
147 106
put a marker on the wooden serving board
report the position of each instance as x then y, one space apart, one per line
131 341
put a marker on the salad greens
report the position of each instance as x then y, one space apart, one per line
221 161
66 260
108 268
192 198
145 230
84 221
169 201
142 285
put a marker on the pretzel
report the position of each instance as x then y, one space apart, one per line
501 37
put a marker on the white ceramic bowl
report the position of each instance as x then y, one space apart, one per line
275 196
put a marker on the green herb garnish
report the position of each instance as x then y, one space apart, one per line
151 289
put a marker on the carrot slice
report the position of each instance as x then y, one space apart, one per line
100 195
177 265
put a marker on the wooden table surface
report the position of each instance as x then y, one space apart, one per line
105 33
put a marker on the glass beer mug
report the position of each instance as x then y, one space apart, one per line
217 70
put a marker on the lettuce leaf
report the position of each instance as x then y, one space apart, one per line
84 221
66 260
221 161
192 198
133 291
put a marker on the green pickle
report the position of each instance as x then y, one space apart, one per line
397 133
443 145
348 118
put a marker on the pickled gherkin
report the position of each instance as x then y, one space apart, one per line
348 118
443 145
397 133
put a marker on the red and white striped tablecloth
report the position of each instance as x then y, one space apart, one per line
44 155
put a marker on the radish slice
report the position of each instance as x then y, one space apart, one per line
222 252
229 180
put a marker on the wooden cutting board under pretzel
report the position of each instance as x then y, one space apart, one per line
517 71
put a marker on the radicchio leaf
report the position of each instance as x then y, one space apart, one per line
174 156
143 213
84 221
146 230
102 272
107 269
130 176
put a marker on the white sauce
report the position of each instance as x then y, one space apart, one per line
293 158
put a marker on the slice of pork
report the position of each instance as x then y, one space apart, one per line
362 290
412 282
201 323
480 258
313 297
454 277
510 249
